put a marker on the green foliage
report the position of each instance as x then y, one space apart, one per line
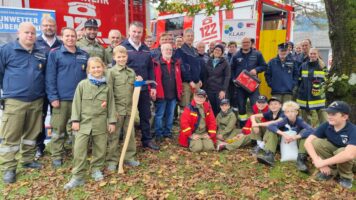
192 7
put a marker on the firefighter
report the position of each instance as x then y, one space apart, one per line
66 68
47 40
115 40
251 60
310 93
22 65
282 74
88 42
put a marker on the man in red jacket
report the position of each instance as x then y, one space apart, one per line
198 125
167 72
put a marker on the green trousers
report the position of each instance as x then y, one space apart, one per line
284 97
114 150
307 116
325 150
243 141
99 145
20 125
187 95
257 135
59 121
200 145
272 140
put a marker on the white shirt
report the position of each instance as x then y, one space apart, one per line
50 42
134 45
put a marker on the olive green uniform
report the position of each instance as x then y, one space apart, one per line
92 48
93 107
60 118
202 144
20 125
226 123
121 79
326 149
108 55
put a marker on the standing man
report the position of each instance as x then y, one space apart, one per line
47 40
179 42
149 42
156 52
115 40
22 65
191 67
140 61
232 49
201 52
66 68
251 60
282 74
88 42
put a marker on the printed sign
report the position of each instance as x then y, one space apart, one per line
10 18
206 28
235 30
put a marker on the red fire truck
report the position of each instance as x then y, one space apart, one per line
110 14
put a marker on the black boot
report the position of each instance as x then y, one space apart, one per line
9 176
301 159
267 158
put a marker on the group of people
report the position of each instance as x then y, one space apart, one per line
89 90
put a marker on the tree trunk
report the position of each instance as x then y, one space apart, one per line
342 32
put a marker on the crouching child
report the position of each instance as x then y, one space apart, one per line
93 116
277 130
198 125
228 136
332 147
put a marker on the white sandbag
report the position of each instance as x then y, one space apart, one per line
289 152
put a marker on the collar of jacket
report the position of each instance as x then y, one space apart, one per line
224 114
18 46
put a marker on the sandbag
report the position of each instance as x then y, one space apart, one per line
289 152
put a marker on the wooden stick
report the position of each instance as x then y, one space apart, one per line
135 98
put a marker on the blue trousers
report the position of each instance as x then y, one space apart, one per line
144 108
164 117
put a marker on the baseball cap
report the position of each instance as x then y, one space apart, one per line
283 46
338 106
91 23
200 92
262 99
224 101
274 99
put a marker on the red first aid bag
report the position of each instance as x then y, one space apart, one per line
247 81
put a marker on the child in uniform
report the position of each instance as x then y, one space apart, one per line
93 115
121 78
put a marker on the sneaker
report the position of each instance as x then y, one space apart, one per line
132 163
32 165
256 150
267 158
301 159
150 145
9 176
73 183
97 175
345 183
221 146
322 177
57 163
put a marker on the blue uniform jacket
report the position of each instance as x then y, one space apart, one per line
140 61
191 63
43 44
282 77
251 60
64 71
22 72
299 126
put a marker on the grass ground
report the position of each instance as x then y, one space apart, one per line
174 173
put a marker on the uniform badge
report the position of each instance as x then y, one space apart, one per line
83 67
239 59
344 139
103 104
40 66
